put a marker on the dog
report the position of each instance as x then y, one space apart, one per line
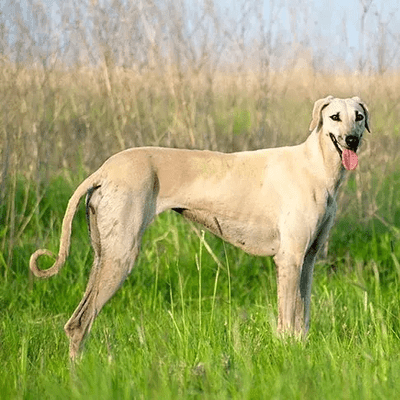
278 202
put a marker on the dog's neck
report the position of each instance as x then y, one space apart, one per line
321 154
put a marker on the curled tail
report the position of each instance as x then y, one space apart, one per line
65 238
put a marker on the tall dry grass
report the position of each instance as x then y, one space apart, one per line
58 118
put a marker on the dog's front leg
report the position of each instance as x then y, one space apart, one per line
292 302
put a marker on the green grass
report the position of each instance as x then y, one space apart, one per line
197 318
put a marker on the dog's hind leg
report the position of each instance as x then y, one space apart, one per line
116 231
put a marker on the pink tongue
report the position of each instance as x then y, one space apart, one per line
349 159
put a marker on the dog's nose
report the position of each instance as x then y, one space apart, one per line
352 141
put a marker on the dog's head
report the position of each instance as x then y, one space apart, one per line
344 122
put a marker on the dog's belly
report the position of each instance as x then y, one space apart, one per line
257 239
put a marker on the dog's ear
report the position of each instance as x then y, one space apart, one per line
366 112
319 105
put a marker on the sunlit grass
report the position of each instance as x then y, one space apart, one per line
184 325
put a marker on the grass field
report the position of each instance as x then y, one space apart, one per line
196 318
191 323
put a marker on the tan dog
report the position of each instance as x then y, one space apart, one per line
275 202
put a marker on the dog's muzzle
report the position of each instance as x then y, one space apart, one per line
347 154
352 143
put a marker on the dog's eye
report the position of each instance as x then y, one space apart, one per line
359 117
335 117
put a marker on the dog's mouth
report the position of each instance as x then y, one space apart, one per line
348 156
